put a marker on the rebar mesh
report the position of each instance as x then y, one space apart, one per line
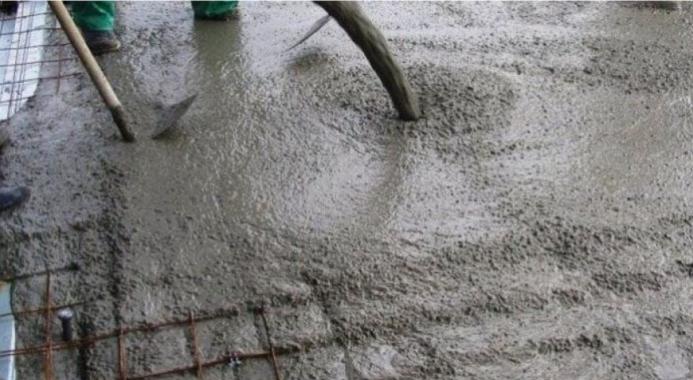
33 50
194 364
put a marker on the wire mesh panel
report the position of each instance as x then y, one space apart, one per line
194 361
7 334
29 53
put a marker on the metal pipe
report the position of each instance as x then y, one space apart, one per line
65 315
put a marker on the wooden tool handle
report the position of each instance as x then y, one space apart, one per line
95 73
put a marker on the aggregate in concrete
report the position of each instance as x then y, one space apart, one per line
534 224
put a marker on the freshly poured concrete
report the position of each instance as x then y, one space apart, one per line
534 224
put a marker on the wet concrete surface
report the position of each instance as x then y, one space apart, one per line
534 224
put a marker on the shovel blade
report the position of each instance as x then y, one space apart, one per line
170 116
313 29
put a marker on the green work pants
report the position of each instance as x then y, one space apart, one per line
100 15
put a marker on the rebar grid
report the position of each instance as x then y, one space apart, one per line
195 351
48 361
270 345
42 309
122 357
31 52
120 335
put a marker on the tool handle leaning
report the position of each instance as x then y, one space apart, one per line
95 73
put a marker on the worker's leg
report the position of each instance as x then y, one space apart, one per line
214 10
10 197
96 19
9 7
4 138
94 15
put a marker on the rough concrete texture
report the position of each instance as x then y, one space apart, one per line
534 224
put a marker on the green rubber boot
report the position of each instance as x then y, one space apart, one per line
94 15
96 20
214 10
